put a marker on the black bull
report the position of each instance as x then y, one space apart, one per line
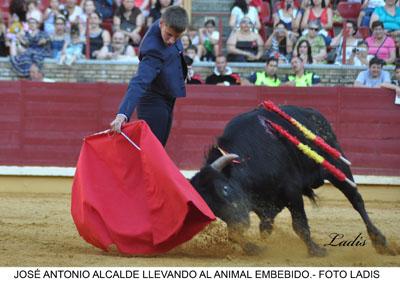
265 173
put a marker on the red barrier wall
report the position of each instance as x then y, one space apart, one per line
43 124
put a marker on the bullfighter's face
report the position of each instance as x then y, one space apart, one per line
168 34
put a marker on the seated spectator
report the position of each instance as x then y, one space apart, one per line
15 27
186 41
244 45
300 78
209 39
3 38
351 42
192 77
32 11
36 74
73 49
143 5
130 20
159 8
59 37
104 7
374 76
318 47
191 52
119 49
266 77
389 15
54 10
303 51
193 33
396 79
359 56
289 14
367 8
240 9
98 37
321 13
380 45
222 74
74 12
280 44
30 47
88 8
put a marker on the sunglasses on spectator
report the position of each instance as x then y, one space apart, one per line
314 28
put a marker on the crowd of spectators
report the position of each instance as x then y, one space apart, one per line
309 30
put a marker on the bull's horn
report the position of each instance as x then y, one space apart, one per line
223 161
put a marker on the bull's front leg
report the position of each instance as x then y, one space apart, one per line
300 226
236 234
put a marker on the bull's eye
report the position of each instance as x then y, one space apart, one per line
225 190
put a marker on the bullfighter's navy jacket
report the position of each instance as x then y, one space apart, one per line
161 71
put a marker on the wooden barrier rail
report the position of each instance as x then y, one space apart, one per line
43 124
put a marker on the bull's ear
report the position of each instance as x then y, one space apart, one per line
223 161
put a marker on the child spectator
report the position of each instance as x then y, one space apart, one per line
72 50
240 9
130 20
367 9
15 27
191 52
192 77
209 39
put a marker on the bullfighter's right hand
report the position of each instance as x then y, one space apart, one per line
117 123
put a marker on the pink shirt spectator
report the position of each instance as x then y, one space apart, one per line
382 52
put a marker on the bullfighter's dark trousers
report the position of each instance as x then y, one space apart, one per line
157 111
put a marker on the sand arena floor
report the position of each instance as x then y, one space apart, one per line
37 230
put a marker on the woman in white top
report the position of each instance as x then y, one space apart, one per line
289 14
241 8
351 42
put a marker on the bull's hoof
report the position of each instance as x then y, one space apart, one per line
317 251
385 250
252 249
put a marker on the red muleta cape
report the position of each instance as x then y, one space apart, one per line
137 200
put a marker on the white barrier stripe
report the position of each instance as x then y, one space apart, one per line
70 172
